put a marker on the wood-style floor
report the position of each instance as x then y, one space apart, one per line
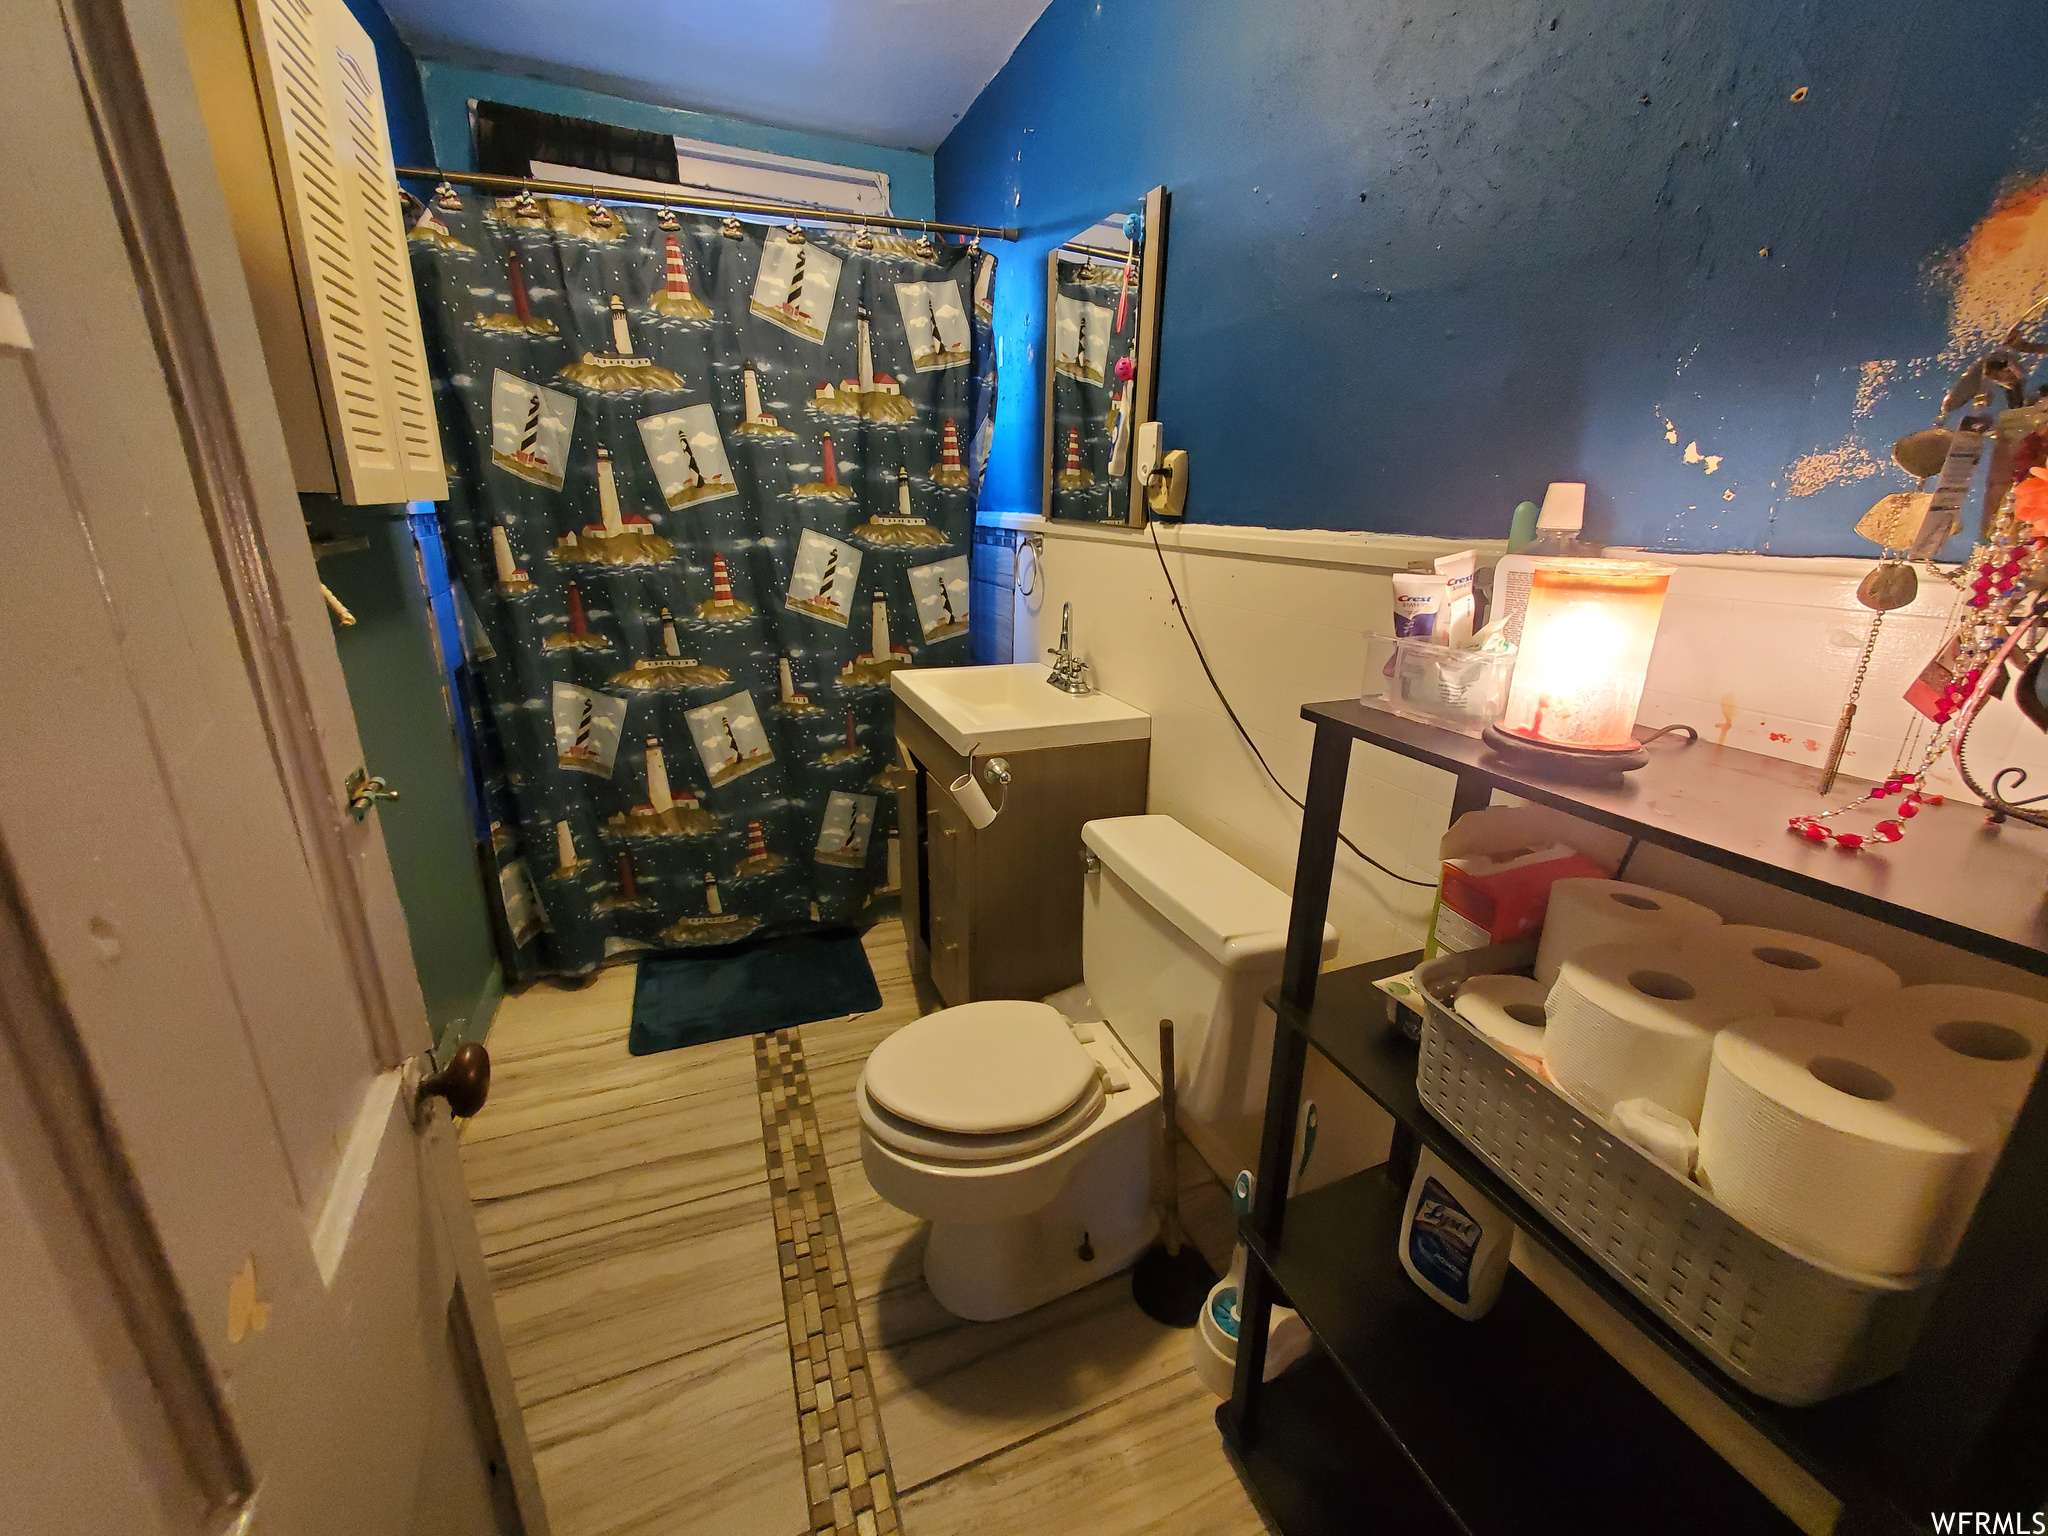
626 1211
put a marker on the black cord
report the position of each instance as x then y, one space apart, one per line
1247 735
1692 736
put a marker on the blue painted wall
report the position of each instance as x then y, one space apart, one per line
1427 256
450 88
405 108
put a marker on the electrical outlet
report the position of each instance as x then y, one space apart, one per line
1150 444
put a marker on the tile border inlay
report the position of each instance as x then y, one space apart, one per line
847 1479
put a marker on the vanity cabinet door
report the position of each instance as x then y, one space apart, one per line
949 892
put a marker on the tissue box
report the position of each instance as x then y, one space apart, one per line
1495 898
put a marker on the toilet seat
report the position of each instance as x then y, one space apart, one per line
981 1069
980 1083
930 1146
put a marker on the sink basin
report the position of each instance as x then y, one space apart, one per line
980 710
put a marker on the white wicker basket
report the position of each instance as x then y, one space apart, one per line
1785 1327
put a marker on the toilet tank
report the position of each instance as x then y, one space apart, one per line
1174 928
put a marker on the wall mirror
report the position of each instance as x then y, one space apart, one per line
1103 287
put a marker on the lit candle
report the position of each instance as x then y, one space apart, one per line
1586 643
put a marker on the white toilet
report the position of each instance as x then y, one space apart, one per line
1026 1136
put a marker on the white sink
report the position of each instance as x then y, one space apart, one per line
979 710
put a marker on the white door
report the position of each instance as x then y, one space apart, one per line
242 1290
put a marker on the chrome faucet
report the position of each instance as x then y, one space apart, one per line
1069 672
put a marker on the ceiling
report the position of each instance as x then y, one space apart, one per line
893 72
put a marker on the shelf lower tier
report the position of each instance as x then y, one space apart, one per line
1321 1465
1830 1441
1519 1422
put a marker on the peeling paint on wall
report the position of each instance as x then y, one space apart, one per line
1870 383
1844 464
1999 273
1994 277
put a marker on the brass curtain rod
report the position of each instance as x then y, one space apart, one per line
708 204
1096 250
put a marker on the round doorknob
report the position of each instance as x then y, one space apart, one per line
465 1082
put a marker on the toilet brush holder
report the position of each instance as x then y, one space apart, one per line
1214 1345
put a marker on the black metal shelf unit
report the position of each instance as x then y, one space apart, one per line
1520 1422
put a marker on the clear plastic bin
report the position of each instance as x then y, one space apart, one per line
1463 690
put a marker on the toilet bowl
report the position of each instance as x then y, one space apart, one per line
1026 1137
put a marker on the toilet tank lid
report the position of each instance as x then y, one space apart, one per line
1232 913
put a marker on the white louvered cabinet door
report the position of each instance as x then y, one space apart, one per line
387 269
325 116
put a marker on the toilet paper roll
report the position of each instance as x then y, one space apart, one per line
1585 913
1665 1136
1809 978
1993 1041
1835 1144
1989 1043
1637 1021
1508 1010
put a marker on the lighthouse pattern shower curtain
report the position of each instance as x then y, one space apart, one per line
709 487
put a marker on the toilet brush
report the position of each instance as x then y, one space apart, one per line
1171 1279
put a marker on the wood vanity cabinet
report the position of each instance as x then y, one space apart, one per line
997 912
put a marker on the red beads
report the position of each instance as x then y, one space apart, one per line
1911 797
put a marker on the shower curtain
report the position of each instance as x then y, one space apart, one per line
711 483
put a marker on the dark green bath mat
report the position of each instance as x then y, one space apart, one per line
750 990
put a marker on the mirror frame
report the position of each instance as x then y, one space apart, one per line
1145 392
